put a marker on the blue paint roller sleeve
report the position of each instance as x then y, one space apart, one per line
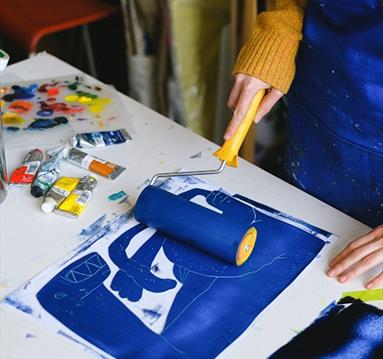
212 232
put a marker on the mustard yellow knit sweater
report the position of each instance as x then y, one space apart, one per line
270 52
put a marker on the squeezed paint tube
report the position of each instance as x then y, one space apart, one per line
101 139
24 175
48 173
75 203
84 160
58 193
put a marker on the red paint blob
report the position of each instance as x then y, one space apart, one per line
53 91
61 107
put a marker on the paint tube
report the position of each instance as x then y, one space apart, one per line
58 193
75 203
24 175
104 168
101 139
48 173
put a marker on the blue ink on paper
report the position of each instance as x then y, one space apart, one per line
212 303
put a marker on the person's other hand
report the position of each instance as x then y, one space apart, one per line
244 89
359 256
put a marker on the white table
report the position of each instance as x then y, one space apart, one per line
30 240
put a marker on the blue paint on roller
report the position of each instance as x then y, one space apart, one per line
214 305
215 233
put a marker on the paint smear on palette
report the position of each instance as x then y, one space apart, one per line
95 104
12 119
20 106
21 93
44 123
340 331
51 103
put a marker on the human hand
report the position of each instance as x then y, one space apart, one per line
244 90
359 256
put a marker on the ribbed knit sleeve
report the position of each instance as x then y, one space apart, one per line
270 52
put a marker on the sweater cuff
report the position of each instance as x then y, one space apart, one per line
270 57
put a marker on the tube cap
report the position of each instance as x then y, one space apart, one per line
48 205
36 191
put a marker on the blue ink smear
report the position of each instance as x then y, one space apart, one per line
354 331
29 336
153 314
117 195
12 129
44 113
95 227
20 306
45 123
211 308
21 93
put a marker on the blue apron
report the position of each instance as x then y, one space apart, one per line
335 147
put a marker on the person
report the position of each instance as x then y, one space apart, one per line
335 108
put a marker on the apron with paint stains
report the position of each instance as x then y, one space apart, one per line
335 148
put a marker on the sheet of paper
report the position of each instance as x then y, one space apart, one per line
129 291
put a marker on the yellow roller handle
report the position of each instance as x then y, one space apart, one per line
229 150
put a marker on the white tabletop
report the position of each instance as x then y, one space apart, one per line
30 240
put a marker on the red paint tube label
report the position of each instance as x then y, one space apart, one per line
24 175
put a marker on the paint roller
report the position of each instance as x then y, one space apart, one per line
215 233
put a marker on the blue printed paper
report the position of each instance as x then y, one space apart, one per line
131 292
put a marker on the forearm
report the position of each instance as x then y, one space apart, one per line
270 52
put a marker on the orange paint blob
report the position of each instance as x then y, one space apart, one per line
20 106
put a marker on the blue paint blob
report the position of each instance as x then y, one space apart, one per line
12 129
21 93
45 123
44 113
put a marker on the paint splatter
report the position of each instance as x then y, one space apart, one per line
197 155
21 93
48 108
93 228
96 104
116 196
12 129
20 106
12 119
44 123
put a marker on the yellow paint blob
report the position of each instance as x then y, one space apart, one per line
98 105
95 105
11 119
71 98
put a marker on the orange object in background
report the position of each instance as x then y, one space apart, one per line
27 21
